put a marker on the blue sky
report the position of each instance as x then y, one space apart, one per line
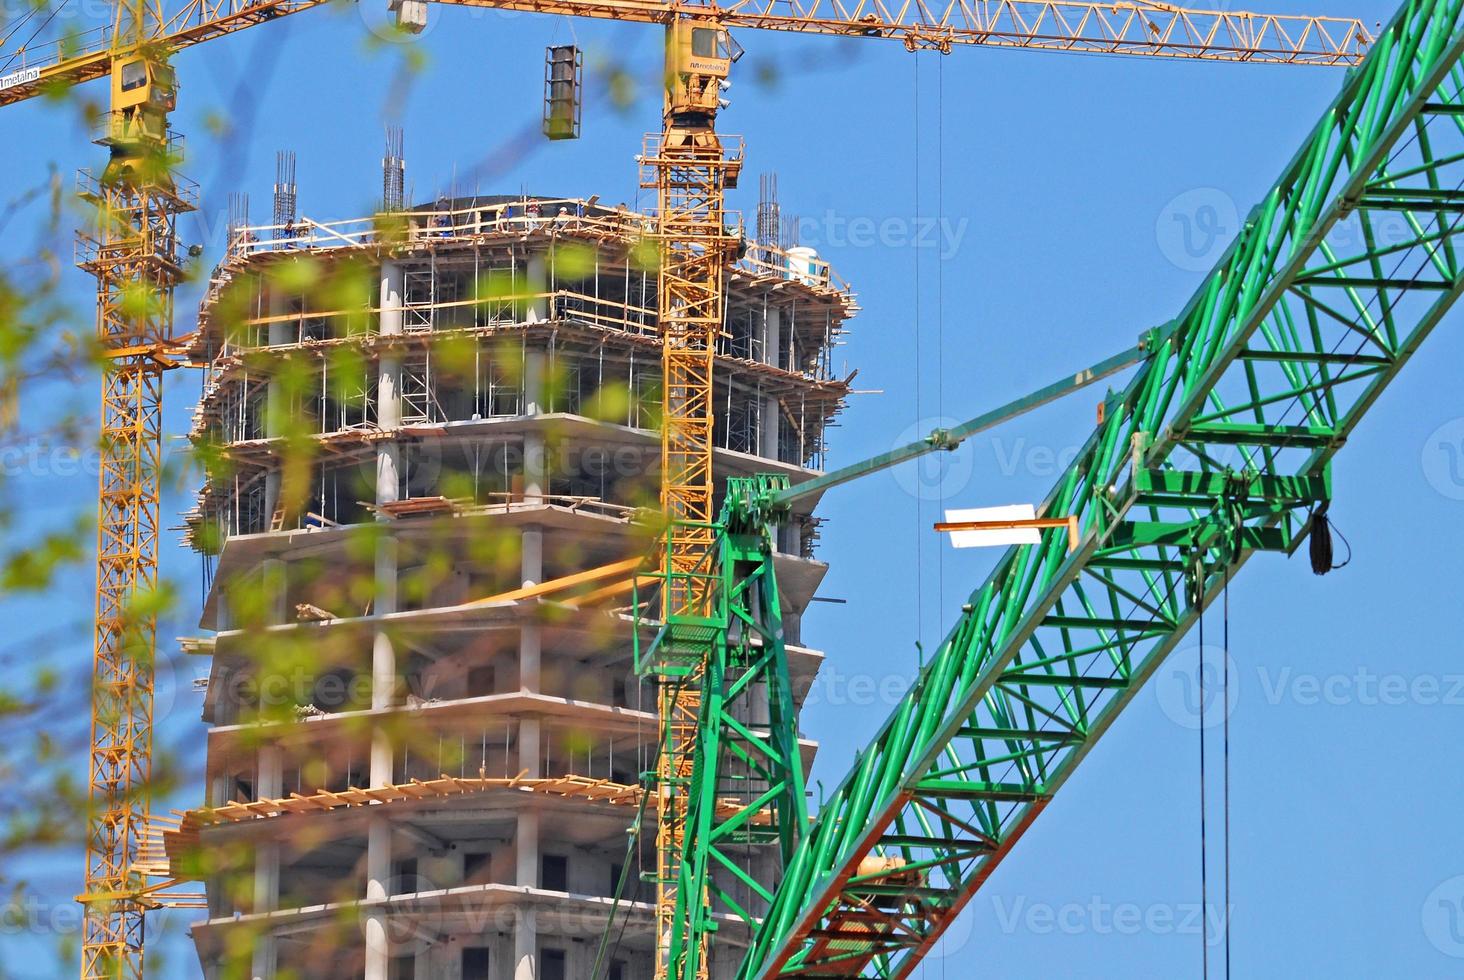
1060 187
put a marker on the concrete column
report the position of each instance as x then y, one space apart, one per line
537 280
274 580
772 336
536 477
525 946
771 412
391 298
536 366
526 850
525 933
389 381
378 877
383 656
280 332
268 784
384 602
526 840
389 391
531 572
536 402
269 778
531 559
388 463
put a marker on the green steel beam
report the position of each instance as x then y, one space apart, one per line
1219 446
945 440
747 736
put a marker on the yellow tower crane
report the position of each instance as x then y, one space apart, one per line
133 254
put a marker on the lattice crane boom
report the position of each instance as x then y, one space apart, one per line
1124 28
54 65
1218 448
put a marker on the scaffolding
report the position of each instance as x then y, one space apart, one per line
486 273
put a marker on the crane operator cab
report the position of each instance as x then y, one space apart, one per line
699 57
144 91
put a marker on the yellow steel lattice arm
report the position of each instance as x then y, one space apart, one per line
39 67
1147 29
1143 29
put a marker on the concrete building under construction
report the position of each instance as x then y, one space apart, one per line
407 481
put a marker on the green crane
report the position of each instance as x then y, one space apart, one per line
1217 447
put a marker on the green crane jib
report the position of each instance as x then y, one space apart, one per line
1218 447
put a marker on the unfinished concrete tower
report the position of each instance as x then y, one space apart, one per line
403 779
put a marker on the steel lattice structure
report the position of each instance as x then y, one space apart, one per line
741 741
1084 26
1219 447
690 170
133 253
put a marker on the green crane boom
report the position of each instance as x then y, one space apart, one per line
1218 447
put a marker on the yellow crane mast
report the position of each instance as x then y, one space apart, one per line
690 168
133 254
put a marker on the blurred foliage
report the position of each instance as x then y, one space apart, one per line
274 672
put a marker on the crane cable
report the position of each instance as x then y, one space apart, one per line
1224 784
1204 840
940 295
940 318
34 34
18 25
1225 767
919 501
